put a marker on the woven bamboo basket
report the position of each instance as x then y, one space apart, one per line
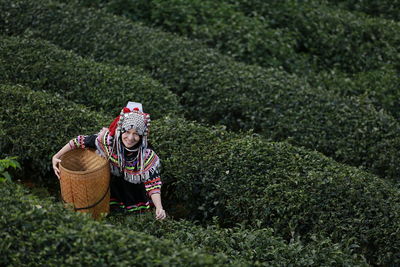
85 182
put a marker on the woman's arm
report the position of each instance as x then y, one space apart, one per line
160 212
56 158
78 142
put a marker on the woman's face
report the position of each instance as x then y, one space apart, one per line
130 138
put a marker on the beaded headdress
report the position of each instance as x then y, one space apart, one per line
130 119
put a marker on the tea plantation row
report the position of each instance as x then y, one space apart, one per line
333 37
240 178
62 113
254 41
37 232
44 66
298 35
389 9
259 246
219 25
214 89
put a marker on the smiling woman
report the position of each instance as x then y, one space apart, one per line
130 138
135 167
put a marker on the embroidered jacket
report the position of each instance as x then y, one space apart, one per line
131 171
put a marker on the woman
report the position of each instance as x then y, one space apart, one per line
135 168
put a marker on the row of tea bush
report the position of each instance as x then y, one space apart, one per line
62 113
333 37
38 232
294 34
240 178
215 89
250 39
218 24
102 87
259 247
389 9
380 86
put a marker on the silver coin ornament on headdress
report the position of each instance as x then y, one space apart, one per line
136 121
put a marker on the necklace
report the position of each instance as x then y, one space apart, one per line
131 150
129 155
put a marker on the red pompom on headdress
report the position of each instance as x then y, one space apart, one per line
113 126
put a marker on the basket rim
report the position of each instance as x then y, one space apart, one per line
105 161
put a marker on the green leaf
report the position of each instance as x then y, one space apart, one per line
6 175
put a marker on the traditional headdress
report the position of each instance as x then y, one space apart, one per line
130 119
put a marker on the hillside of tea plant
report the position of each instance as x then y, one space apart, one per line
277 125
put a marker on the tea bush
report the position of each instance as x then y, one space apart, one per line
245 180
259 247
37 232
36 125
333 37
5 165
389 9
380 86
208 171
215 89
103 87
253 41
37 148
218 24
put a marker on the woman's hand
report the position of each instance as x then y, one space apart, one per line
160 214
55 162
56 159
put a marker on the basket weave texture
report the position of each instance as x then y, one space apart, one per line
85 180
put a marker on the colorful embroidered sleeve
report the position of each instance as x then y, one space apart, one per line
103 144
82 141
153 186
153 183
